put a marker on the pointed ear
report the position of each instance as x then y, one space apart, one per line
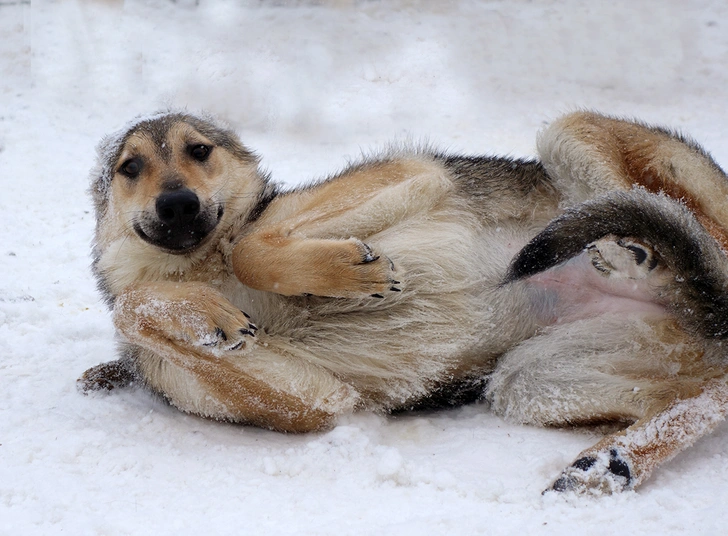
589 154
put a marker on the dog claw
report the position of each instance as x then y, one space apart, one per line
220 335
395 289
377 296
247 332
369 255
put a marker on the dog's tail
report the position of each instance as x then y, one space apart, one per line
698 295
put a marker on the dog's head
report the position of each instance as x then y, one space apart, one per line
168 180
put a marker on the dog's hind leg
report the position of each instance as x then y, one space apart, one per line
588 154
634 296
624 460
616 368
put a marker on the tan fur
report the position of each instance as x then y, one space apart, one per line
384 285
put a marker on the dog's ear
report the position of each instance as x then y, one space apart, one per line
588 154
101 173
698 268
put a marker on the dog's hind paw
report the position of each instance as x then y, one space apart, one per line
622 258
601 474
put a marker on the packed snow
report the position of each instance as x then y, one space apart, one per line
309 85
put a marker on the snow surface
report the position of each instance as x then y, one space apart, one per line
309 86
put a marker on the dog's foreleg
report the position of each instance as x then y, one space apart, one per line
190 314
320 247
294 266
201 353
624 460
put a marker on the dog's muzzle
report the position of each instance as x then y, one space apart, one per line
180 222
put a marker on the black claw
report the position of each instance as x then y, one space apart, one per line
246 315
377 296
220 334
252 326
395 282
369 255
247 332
395 289
237 346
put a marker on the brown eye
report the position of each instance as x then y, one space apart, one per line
200 152
131 168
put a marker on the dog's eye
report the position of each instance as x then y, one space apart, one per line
200 152
131 168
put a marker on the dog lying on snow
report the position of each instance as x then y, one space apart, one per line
566 291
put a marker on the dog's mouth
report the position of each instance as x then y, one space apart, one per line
178 227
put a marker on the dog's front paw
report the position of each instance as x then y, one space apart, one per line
214 325
226 330
362 271
601 474
187 314
380 271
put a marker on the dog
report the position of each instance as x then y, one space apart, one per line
587 286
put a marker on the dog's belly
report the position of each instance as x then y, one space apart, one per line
576 290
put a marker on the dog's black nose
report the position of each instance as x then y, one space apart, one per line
178 208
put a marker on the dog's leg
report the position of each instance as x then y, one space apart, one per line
624 460
190 314
588 154
201 352
294 266
613 369
319 248
633 291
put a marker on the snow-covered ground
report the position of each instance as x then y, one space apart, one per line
309 86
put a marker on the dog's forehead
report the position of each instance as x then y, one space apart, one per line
163 138
163 133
